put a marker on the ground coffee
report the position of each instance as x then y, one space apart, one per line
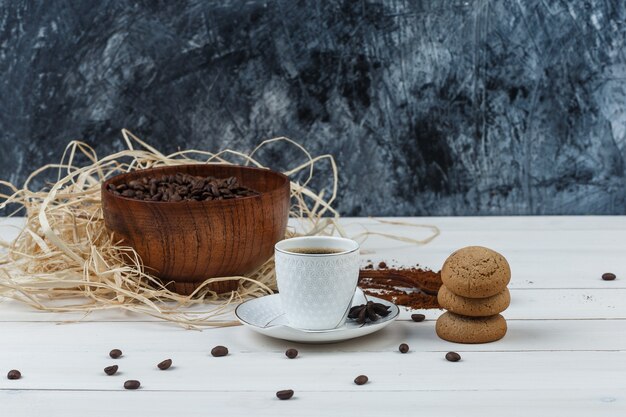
415 288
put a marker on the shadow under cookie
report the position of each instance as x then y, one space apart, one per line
462 329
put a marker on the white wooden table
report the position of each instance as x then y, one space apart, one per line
564 354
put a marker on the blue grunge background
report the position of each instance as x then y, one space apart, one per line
437 107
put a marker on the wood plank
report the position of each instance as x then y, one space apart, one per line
554 403
564 304
36 339
530 268
542 367
325 371
543 252
539 257
555 304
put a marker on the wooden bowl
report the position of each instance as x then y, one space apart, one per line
186 242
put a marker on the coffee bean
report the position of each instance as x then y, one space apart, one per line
418 317
115 353
403 348
165 364
361 379
285 394
608 276
181 187
111 370
132 384
219 351
453 356
291 353
14 374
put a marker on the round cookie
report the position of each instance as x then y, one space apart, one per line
461 329
474 307
476 272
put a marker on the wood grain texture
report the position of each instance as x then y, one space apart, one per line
241 371
563 354
186 242
527 304
363 403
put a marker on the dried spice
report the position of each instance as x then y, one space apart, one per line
370 311
415 288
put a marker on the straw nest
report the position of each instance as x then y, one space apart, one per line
64 259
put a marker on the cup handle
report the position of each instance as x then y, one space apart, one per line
357 298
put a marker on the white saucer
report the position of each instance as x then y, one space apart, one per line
265 315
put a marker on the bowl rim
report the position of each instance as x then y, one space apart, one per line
104 186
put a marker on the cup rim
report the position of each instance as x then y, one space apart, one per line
317 255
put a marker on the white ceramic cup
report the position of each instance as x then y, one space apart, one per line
316 290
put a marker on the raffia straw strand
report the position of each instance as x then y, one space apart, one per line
64 252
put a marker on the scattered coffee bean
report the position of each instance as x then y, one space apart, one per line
14 374
165 364
608 276
382 265
403 348
219 351
180 187
453 356
285 394
115 353
291 353
418 317
132 384
111 370
361 379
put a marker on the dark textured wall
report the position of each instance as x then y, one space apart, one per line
430 107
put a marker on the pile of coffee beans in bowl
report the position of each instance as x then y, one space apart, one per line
181 187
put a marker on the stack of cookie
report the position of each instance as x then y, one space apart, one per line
474 292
